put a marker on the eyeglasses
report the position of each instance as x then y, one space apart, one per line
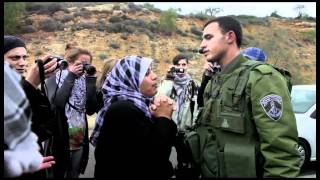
16 58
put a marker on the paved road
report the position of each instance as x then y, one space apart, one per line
308 172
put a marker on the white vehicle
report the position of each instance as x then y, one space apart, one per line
303 98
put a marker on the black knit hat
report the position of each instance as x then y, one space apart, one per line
11 42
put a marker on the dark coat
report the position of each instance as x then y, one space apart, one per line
43 120
42 115
58 146
131 145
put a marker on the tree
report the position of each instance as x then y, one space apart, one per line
167 22
299 9
12 12
213 11
275 14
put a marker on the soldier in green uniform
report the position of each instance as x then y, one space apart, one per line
247 127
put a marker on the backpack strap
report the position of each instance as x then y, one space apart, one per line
242 79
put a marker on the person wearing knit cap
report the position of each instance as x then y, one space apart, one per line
15 53
255 54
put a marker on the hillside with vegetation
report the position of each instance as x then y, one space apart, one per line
113 30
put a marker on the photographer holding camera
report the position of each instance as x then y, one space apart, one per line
15 54
72 93
180 87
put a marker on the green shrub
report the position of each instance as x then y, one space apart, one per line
44 8
167 22
103 56
129 29
196 31
27 29
86 26
115 27
181 33
151 7
246 20
67 18
309 36
114 45
115 19
50 25
275 14
28 21
200 16
12 12
124 36
84 14
181 49
134 7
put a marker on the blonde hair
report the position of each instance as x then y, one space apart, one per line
73 52
107 67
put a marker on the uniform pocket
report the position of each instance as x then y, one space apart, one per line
240 160
209 161
231 121
193 142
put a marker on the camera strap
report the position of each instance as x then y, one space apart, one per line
41 74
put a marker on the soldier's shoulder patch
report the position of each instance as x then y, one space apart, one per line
272 105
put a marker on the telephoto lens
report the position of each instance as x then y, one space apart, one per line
88 68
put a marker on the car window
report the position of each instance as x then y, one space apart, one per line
302 99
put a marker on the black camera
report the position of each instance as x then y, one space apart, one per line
62 63
88 68
173 71
201 50
215 69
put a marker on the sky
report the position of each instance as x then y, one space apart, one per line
259 9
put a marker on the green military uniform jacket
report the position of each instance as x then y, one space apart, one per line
249 133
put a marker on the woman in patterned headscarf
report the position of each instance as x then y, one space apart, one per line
132 140
73 93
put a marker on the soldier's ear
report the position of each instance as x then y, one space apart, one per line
231 37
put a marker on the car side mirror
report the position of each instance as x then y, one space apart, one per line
313 115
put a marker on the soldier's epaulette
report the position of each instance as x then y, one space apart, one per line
264 69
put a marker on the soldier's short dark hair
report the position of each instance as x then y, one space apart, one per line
227 23
178 57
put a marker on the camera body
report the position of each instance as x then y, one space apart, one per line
62 63
88 68
173 71
215 69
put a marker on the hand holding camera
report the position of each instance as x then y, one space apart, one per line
173 71
76 68
79 67
33 76
211 69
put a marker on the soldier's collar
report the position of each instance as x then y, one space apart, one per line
235 63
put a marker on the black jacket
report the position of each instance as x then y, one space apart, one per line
131 145
58 146
43 120
204 82
42 115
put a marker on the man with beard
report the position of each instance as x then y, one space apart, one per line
247 127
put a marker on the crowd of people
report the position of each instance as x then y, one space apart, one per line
238 122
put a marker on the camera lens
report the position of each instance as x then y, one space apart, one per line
90 70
